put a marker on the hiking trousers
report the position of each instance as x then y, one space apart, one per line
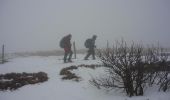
91 51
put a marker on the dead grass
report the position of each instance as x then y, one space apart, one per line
13 81
68 75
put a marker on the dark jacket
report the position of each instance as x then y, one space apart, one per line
92 44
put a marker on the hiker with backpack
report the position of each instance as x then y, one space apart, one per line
66 45
90 44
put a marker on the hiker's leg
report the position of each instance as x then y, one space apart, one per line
65 57
93 54
65 54
70 55
88 54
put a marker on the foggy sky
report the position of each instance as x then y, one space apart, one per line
33 25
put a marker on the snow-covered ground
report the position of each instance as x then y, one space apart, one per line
57 89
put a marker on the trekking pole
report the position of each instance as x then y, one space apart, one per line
74 47
3 53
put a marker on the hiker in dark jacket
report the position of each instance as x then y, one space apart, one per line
90 44
66 45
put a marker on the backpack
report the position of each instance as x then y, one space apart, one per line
87 43
62 43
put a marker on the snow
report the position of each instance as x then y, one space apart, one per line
57 89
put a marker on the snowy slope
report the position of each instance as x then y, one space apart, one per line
57 89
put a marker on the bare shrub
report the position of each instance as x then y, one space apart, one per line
164 76
159 67
130 67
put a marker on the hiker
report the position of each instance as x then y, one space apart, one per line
90 44
66 45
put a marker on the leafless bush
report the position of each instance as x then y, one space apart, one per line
159 67
130 67
164 76
164 81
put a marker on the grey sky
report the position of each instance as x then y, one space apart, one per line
31 25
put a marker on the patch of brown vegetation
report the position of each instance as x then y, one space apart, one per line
68 75
13 81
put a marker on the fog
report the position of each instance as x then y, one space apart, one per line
38 25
